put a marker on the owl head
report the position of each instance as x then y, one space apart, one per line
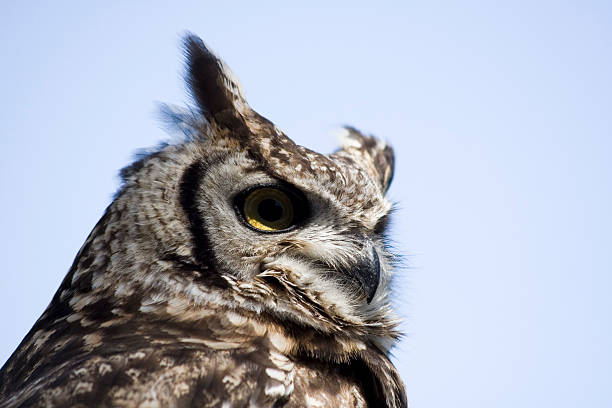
238 214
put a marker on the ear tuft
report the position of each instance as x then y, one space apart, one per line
212 84
375 154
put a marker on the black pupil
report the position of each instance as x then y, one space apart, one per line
270 210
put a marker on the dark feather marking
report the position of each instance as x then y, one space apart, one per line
204 255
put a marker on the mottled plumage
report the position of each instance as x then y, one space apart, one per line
182 296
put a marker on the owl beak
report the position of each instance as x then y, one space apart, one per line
367 273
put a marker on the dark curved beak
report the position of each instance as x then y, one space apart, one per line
367 272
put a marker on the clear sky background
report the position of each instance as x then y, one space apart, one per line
500 114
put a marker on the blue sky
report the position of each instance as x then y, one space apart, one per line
500 115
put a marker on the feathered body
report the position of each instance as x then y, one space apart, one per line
179 299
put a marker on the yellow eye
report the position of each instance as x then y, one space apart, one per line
268 209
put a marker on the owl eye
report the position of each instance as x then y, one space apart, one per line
271 209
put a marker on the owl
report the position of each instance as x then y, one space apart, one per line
232 269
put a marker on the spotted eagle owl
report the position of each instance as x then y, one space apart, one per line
232 269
